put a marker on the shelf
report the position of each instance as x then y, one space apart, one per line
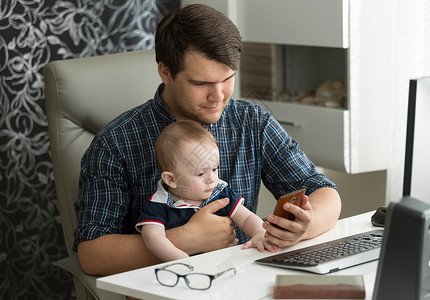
306 22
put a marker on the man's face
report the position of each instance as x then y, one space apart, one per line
201 91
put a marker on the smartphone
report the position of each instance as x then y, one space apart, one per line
294 198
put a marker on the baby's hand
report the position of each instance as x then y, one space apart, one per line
260 242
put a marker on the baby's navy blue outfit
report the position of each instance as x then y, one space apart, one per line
162 209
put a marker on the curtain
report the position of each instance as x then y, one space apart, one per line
32 33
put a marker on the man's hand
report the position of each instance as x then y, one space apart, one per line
310 220
114 253
290 232
206 231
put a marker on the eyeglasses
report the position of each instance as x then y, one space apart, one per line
195 281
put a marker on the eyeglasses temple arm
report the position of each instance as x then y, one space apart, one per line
221 273
178 263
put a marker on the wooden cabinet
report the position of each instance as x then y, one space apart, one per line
353 139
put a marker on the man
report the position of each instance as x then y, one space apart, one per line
198 52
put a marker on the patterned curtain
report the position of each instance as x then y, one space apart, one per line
32 33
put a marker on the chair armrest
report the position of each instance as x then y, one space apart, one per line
73 266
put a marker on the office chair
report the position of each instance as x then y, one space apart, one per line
83 95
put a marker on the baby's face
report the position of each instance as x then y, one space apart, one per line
197 171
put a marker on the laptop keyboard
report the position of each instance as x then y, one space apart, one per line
331 256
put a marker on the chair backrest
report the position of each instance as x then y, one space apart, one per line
83 95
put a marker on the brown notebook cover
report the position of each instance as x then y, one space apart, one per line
319 287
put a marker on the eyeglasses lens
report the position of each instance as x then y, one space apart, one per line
198 281
166 277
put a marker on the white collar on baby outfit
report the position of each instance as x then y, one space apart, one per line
162 196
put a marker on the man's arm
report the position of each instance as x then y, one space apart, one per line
115 253
316 216
287 168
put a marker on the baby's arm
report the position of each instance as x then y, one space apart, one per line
251 225
156 241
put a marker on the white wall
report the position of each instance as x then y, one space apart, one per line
412 60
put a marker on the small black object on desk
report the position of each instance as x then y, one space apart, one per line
378 218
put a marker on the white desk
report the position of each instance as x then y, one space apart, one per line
252 281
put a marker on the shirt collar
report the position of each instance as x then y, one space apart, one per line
162 196
160 107
218 189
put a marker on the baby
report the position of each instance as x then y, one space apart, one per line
188 157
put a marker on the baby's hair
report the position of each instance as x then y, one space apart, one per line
170 140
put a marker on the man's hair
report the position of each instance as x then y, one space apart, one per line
199 28
168 145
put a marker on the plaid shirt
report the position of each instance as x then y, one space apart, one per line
119 171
